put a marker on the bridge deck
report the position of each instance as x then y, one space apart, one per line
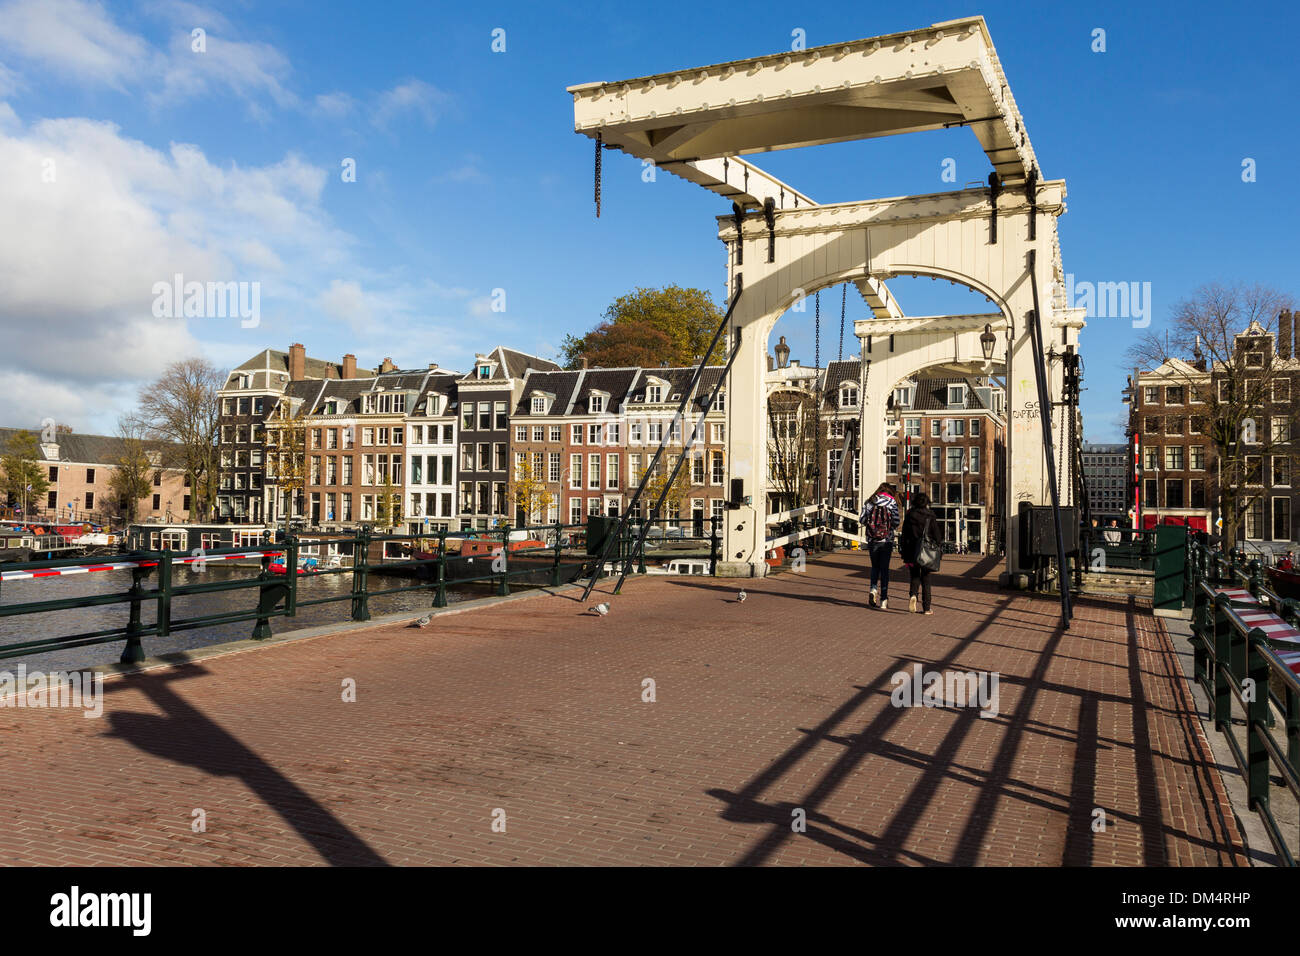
533 707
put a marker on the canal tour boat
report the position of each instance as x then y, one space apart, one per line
13 546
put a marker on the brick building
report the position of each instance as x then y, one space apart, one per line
1105 471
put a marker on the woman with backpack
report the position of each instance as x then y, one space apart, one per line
879 520
920 548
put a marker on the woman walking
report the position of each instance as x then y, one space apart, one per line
919 547
879 521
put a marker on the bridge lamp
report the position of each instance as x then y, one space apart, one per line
782 353
987 341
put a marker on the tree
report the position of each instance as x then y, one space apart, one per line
286 451
388 506
677 493
687 318
24 473
528 493
1230 333
132 469
792 447
181 409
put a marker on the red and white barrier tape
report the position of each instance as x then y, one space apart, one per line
128 565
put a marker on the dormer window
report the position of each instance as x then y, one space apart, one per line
654 393
539 405
596 403
956 395
720 403
848 396
485 371
903 397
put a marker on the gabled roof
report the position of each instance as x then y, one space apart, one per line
511 363
560 384
613 382
276 361
83 449
932 394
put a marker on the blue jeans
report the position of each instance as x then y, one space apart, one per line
880 552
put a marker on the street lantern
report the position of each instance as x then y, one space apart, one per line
782 353
987 341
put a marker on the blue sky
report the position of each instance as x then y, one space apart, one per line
226 165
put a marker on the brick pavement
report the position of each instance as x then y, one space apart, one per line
534 708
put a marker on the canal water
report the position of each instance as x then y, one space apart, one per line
28 627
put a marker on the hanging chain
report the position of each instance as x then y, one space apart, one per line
844 304
817 365
598 149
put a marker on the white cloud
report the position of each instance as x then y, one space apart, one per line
413 96
334 105
248 70
346 302
119 216
75 39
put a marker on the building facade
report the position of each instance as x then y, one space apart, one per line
1105 473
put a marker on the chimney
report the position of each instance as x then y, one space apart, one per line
584 361
771 363
349 366
386 365
433 365
297 362
1284 320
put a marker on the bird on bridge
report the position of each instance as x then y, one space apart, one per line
740 598
602 608
424 621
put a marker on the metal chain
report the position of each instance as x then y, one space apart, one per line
817 391
844 304
598 149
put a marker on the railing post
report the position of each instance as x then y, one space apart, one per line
1222 699
361 576
1256 578
133 653
291 574
165 594
555 568
503 588
713 545
266 596
440 596
1257 757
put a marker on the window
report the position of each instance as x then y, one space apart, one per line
485 416
1149 492
556 432
593 434
956 395
1173 395
538 433
1173 457
974 428
596 403
1281 430
575 511
502 416
485 371
499 456
593 471
611 471
399 434
697 469
1281 519
936 460
720 404
1195 425
1254 360
90 500
467 457
484 457
90 476
1174 493
935 427
553 466
912 427
1281 470
1282 392
655 431
903 397
716 472
974 461
1254 469
954 461
654 393
612 433
954 428
575 434
848 396
1255 519
539 405
1150 395
891 460
1151 459
1173 425
973 493
521 433
719 433
1152 425
575 471
1225 391
1196 458
467 416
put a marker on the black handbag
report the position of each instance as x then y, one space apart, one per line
928 553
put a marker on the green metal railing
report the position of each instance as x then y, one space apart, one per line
1236 661
1121 548
547 554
